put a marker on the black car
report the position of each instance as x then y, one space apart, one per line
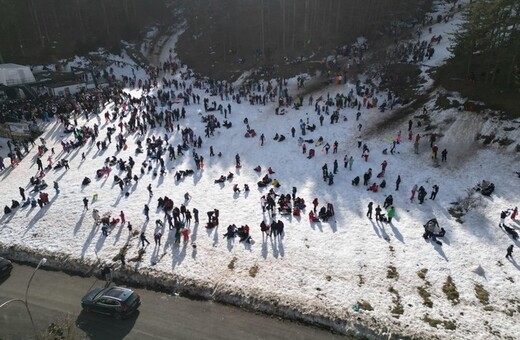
5 267
116 301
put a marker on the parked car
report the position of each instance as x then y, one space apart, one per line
5 267
119 302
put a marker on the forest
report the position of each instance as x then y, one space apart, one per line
40 31
259 32
486 55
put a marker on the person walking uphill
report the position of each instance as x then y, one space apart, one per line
85 203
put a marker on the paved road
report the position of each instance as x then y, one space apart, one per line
55 296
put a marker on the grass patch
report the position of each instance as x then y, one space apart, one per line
392 273
442 102
361 279
253 271
364 305
482 294
122 252
139 256
398 308
447 324
422 273
231 264
425 296
489 308
450 289
63 329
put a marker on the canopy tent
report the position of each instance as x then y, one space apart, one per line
13 74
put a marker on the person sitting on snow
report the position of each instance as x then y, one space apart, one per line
373 187
222 179
313 218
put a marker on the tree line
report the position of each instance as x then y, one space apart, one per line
34 31
290 27
487 46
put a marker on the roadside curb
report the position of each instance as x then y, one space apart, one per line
359 325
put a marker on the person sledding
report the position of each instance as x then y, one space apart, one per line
243 233
258 168
432 230
231 231
221 179
374 187
312 217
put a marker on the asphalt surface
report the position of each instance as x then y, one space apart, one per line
55 296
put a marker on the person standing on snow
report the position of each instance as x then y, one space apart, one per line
143 239
397 182
444 155
315 204
509 254
414 190
22 193
435 149
378 213
85 203
390 214
435 190
350 162
369 211
147 211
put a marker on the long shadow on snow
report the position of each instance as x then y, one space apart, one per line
78 225
89 239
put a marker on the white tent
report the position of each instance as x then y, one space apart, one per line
13 74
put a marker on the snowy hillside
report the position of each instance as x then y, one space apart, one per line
327 269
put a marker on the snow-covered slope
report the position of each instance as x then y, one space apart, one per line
322 268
